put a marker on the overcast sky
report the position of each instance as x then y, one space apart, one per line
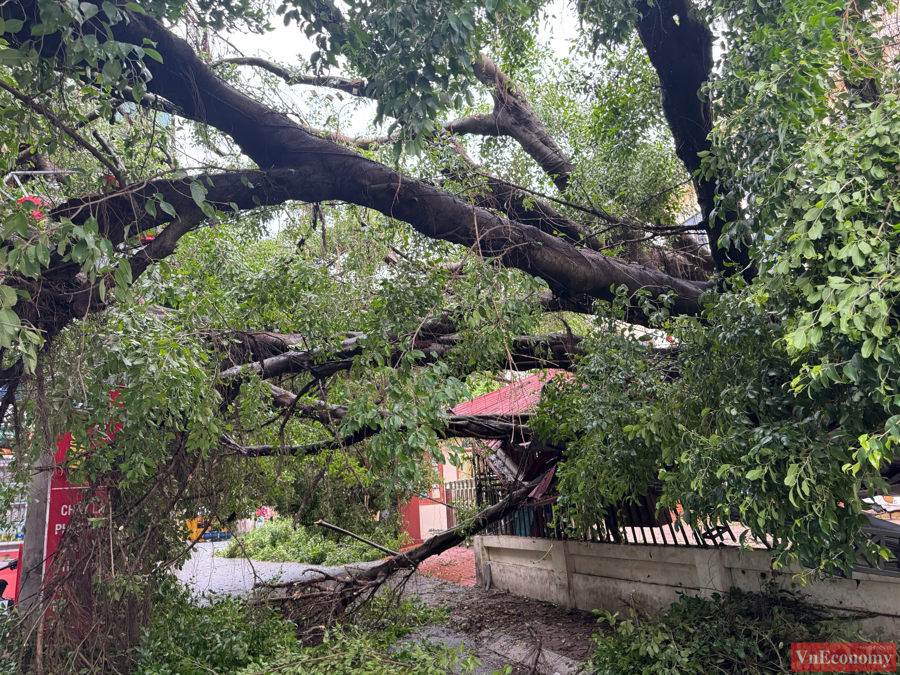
289 46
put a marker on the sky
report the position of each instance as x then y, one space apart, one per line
285 43
288 45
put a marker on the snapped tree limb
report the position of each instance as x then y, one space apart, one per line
526 352
512 116
450 538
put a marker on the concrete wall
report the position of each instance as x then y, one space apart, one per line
649 578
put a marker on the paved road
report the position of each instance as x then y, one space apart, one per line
206 573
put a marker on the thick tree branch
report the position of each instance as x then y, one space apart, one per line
447 540
525 352
334 173
512 115
484 427
304 167
361 142
679 44
504 197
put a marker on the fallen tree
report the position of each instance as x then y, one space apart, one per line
781 370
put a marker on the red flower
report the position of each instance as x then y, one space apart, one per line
37 201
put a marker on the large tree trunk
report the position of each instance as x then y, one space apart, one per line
679 43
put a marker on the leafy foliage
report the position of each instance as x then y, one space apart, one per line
739 632
730 433
189 638
417 59
227 636
825 203
278 541
781 407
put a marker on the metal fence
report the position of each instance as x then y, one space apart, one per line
639 521
460 493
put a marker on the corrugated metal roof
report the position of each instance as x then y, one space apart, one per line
516 398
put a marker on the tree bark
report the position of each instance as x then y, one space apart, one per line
526 352
447 540
679 44
512 115
324 171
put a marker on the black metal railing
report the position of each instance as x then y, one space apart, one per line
640 521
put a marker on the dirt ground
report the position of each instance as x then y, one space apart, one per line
448 580
563 631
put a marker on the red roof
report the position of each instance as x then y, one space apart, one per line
516 398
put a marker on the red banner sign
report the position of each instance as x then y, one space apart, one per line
63 498
844 657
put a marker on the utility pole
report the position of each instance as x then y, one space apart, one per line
31 571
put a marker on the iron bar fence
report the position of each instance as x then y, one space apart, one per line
641 522
461 494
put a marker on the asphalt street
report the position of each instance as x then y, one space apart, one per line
206 573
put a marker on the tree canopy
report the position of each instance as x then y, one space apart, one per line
270 296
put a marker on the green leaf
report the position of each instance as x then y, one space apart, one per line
110 10
17 223
12 57
13 26
198 192
812 214
8 296
88 9
892 426
9 318
792 472
868 347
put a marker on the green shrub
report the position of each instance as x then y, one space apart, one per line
354 651
278 541
191 636
196 637
740 633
